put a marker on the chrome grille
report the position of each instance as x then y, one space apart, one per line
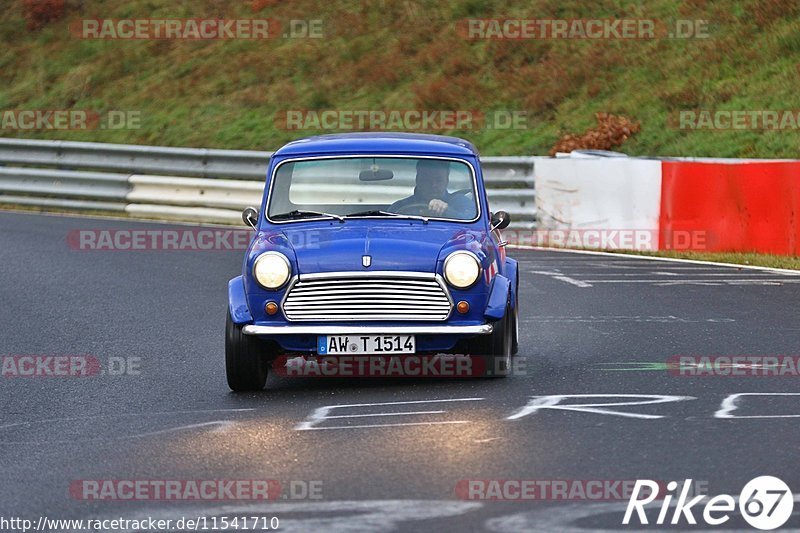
373 296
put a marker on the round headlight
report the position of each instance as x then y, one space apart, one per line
272 270
461 269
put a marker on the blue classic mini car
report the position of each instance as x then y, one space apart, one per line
372 243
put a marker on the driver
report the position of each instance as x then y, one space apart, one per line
431 190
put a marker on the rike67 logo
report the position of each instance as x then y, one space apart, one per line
765 503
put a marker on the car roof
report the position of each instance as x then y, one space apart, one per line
375 142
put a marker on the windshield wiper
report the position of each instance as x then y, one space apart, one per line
373 212
298 213
380 212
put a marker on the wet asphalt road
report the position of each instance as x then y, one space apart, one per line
590 325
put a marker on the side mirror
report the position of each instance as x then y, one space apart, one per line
500 220
250 216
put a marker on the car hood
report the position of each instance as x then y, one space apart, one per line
397 245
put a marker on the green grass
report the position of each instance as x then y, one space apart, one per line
408 55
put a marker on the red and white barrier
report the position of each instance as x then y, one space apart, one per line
710 205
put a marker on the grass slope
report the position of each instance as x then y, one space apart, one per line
408 55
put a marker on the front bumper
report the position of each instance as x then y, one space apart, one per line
297 336
480 329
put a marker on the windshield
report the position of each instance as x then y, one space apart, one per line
390 187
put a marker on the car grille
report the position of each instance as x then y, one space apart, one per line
378 296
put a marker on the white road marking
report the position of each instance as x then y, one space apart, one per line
561 277
362 426
574 518
621 318
663 273
537 403
218 425
583 265
115 415
402 413
572 281
583 273
320 414
221 425
663 282
730 404
635 257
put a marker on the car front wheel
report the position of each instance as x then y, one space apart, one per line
246 359
515 325
494 350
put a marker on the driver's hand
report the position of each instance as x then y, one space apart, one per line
437 207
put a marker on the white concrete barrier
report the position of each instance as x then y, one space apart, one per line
599 194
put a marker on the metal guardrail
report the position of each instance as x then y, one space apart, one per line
191 184
135 159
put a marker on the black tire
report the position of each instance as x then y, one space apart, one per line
494 350
246 360
515 325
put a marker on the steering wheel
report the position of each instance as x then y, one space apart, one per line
417 208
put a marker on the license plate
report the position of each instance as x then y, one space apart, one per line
365 344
